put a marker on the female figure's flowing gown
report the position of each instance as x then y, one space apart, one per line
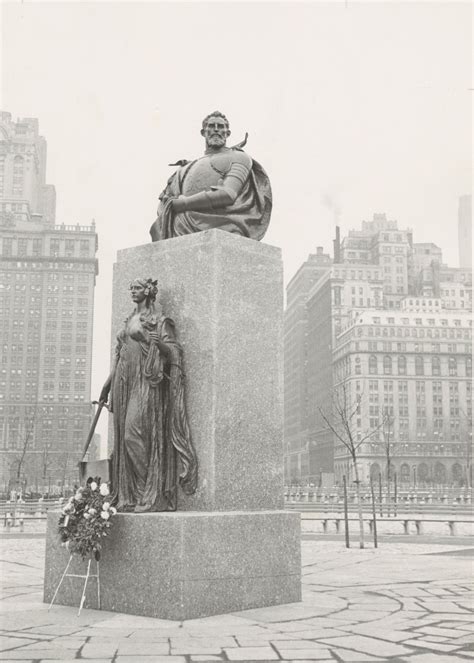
151 432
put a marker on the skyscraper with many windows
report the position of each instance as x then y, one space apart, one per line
388 324
47 279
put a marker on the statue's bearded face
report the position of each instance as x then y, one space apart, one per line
216 132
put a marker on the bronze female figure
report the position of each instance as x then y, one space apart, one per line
151 432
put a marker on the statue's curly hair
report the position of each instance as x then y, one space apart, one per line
151 287
214 114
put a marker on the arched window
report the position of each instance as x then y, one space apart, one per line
468 367
374 471
435 366
423 473
453 366
373 365
456 473
419 365
440 473
387 365
405 473
402 366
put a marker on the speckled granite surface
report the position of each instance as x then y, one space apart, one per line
186 565
225 293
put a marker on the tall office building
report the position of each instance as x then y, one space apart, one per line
47 279
390 324
465 231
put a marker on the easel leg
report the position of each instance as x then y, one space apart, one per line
83 597
98 587
60 583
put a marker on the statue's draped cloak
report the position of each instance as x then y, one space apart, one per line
249 215
150 425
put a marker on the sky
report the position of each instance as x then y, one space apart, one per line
352 108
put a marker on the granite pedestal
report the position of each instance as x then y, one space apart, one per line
187 565
229 546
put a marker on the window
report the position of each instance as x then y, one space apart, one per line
402 366
435 366
453 366
18 168
387 365
373 365
54 247
468 367
419 365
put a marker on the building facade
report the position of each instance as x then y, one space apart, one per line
47 280
380 274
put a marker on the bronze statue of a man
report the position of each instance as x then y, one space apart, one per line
224 189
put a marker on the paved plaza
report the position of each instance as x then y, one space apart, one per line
404 602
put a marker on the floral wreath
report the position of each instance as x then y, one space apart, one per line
85 519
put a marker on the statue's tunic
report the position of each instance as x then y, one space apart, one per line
248 215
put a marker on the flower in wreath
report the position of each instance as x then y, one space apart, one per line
104 490
85 519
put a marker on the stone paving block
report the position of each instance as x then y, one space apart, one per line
367 645
195 649
151 659
205 658
436 630
142 648
92 650
318 634
454 617
306 654
9 643
44 654
356 657
205 642
435 646
465 640
429 658
362 615
28 635
297 644
148 635
251 654
321 622
374 630
443 606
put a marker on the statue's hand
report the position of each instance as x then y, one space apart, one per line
104 394
154 337
178 204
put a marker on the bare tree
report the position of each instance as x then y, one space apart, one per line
28 435
342 421
466 432
388 443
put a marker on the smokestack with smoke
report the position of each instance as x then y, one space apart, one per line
331 203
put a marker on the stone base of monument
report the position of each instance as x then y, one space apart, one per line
185 565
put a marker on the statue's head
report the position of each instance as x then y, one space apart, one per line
215 129
144 289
